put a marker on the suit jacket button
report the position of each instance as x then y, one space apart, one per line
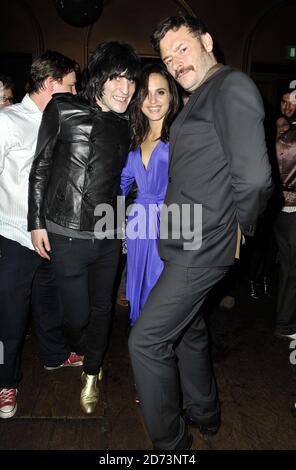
85 197
170 179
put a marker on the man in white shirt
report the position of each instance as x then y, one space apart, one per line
25 278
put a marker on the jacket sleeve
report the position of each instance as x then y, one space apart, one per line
239 116
42 164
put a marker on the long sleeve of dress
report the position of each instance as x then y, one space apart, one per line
127 175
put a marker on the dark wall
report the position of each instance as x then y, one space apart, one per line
252 35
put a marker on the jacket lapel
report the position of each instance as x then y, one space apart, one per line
178 123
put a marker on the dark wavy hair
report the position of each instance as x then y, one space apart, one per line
49 64
139 122
194 25
109 60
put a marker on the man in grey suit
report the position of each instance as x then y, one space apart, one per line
218 162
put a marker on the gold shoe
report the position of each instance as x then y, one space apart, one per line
89 396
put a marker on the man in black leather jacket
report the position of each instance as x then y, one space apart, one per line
81 150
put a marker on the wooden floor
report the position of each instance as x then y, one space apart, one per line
256 381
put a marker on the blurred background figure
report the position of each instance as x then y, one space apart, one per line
6 91
155 106
84 139
285 229
288 106
27 281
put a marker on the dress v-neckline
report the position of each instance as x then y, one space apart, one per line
146 168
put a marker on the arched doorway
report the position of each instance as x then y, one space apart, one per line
139 20
266 51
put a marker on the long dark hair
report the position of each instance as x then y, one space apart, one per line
109 60
139 122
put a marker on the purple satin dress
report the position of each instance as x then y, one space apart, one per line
144 265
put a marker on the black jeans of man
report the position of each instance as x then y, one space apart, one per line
27 281
86 271
169 342
285 233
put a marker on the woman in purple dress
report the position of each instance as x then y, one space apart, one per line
154 108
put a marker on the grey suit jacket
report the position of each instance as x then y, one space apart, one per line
219 173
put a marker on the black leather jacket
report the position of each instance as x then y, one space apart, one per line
78 162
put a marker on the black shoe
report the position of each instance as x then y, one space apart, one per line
204 429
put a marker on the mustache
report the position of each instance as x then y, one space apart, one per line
182 70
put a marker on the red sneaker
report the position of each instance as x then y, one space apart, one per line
73 361
8 404
122 300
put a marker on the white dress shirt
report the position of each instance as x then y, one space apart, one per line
19 125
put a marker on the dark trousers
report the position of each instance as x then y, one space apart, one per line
285 232
86 272
168 339
27 280
261 251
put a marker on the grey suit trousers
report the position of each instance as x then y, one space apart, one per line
169 342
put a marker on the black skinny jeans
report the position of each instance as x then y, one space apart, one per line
86 272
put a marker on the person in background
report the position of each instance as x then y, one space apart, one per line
26 280
282 125
285 229
261 250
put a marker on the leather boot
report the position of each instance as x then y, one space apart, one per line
89 396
